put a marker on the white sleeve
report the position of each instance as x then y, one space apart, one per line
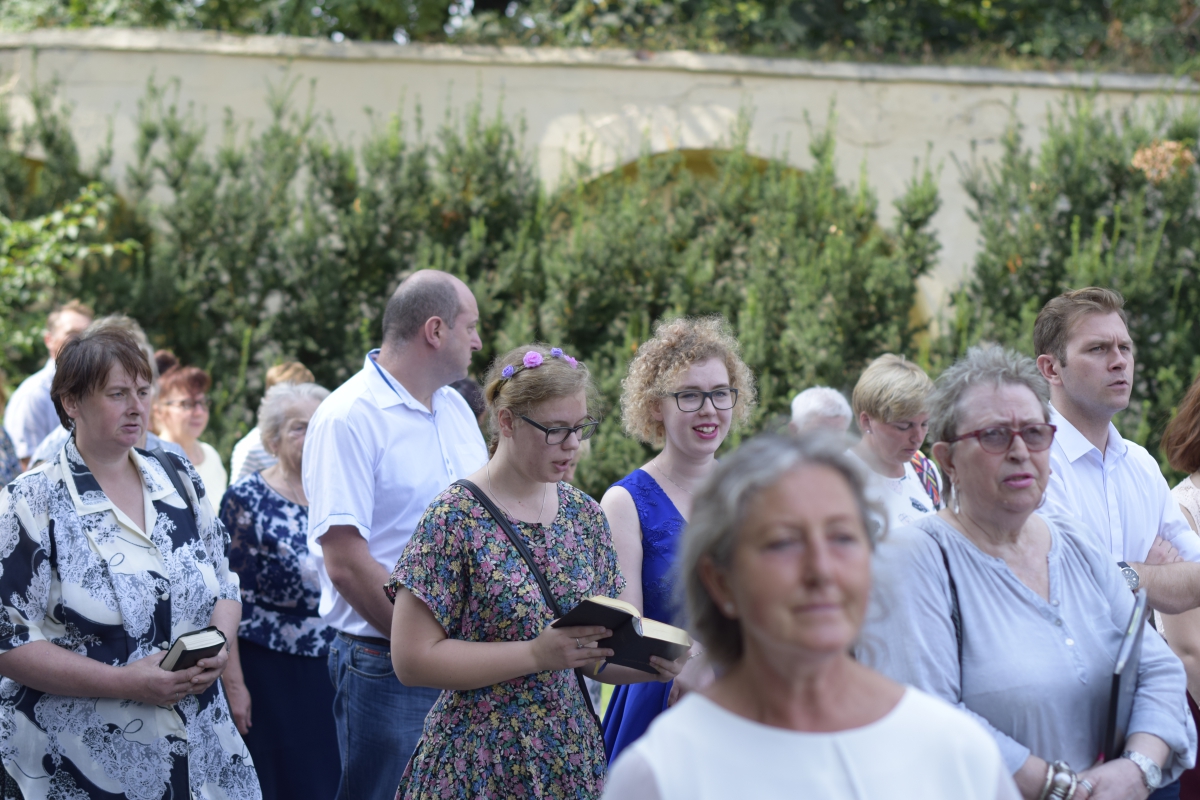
339 478
1006 787
631 778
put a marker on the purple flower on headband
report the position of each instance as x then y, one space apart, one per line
556 352
574 364
507 372
532 359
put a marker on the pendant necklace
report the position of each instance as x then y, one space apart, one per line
668 477
492 489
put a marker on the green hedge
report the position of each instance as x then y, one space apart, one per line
287 244
1122 34
1110 200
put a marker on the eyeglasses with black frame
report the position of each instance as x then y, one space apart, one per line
690 400
997 440
559 435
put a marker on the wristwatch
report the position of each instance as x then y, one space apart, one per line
1131 576
1151 774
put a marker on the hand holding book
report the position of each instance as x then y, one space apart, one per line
570 647
634 639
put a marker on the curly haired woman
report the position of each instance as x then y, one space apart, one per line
686 389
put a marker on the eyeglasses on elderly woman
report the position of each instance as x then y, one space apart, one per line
997 440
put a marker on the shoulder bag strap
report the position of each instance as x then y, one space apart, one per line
925 474
160 455
955 612
523 549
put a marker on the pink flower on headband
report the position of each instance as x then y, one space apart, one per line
574 364
507 372
532 359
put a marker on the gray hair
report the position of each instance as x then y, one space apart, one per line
820 401
983 365
720 509
276 403
417 299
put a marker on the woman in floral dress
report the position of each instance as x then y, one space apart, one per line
512 720
283 644
107 555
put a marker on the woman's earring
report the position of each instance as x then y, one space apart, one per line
954 495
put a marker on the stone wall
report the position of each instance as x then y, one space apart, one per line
611 101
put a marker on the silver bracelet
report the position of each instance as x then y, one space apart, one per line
1064 783
1044 794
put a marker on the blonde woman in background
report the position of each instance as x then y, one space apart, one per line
891 406
687 387
249 454
512 719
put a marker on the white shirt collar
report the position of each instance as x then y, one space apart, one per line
1075 445
385 389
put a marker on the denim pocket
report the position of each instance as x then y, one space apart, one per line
370 662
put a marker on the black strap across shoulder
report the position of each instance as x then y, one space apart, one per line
162 458
523 549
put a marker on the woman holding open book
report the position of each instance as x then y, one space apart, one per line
495 559
107 556
776 572
686 388
1041 612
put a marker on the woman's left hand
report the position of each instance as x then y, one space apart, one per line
213 667
668 670
1119 779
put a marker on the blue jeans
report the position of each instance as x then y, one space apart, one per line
378 719
1168 792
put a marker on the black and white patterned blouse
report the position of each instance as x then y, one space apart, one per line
77 572
268 549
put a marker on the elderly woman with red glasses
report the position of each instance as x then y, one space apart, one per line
1041 611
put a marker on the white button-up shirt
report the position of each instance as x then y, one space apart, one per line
375 458
30 416
1121 496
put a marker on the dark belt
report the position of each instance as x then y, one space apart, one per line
374 641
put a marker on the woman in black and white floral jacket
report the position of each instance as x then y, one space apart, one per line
105 558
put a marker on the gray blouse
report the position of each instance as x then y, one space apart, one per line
1035 673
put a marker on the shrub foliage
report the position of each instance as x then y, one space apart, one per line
1108 199
287 243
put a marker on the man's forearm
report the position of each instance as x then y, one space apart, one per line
1171 588
361 584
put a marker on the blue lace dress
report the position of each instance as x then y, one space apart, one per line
635 706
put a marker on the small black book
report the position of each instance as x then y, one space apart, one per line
1125 679
634 638
192 647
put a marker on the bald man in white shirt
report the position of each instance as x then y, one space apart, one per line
377 451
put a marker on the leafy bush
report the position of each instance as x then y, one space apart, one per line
1141 34
287 244
1111 200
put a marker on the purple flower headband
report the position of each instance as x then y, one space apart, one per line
533 359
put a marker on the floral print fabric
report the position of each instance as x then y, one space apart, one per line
10 465
75 571
268 549
528 737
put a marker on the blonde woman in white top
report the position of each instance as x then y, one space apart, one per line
890 407
776 571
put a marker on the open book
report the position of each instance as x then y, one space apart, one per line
192 647
634 638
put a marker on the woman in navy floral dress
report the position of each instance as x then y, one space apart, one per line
512 720
281 698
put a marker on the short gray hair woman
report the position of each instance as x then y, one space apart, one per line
1043 610
820 407
775 573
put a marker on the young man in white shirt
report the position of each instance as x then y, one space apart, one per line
1086 354
30 416
377 451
